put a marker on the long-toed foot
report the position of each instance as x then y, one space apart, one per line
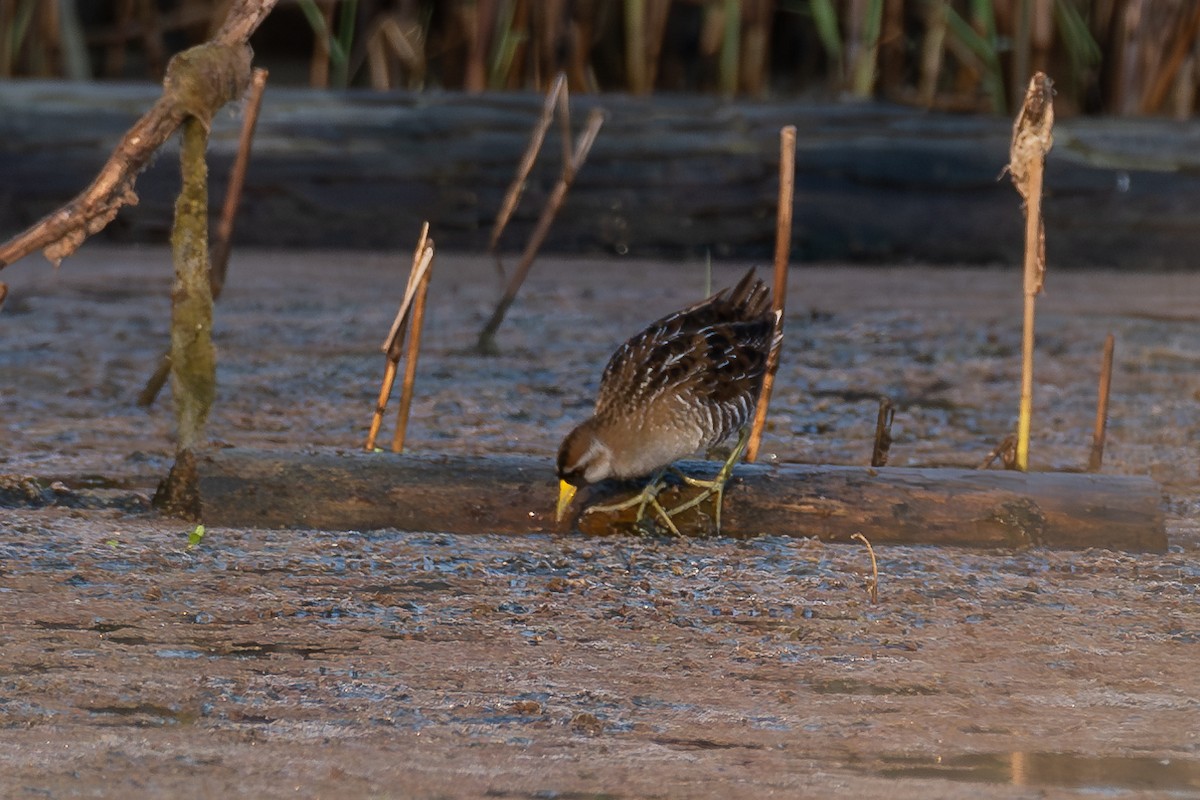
647 497
716 486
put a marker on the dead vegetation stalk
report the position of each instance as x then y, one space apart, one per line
783 249
1032 140
1006 451
1183 43
883 432
223 241
555 98
393 344
1099 432
411 355
873 584
583 146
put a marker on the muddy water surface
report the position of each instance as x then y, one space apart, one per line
139 662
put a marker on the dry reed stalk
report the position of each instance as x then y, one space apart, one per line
783 249
388 34
422 257
1099 432
477 27
883 432
395 339
1183 42
635 47
933 48
237 181
756 38
873 584
223 243
318 67
417 320
1032 140
731 47
656 30
556 95
1006 451
583 146
114 60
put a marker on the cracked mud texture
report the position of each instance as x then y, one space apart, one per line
263 663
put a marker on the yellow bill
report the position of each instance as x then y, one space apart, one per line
566 493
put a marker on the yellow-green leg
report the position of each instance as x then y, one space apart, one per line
716 486
647 497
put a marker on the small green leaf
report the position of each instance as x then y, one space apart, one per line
195 537
113 542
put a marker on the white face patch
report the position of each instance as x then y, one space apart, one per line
598 461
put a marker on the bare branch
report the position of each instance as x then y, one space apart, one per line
198 82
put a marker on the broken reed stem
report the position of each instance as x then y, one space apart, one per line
223 242
873 585
883 432
783 249
1006 451
414 350
422 257
583 146
557 94
1099 432
385 392
1032 140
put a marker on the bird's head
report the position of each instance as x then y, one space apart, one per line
583 458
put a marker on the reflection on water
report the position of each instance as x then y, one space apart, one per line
1052 769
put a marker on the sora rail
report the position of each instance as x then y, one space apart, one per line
682 385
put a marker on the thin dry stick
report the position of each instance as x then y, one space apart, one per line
783 249
1032 140
421 258
556 95
392 344
1096 457
1006 451
410 364
583 145
222 246
873 585
883 432
564 119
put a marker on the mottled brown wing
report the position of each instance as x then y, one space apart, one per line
709 349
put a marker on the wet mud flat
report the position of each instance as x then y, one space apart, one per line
386 663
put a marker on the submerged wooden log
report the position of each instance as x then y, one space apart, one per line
351 490
673 175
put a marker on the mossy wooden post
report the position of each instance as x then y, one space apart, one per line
199 81
193 361
193 364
